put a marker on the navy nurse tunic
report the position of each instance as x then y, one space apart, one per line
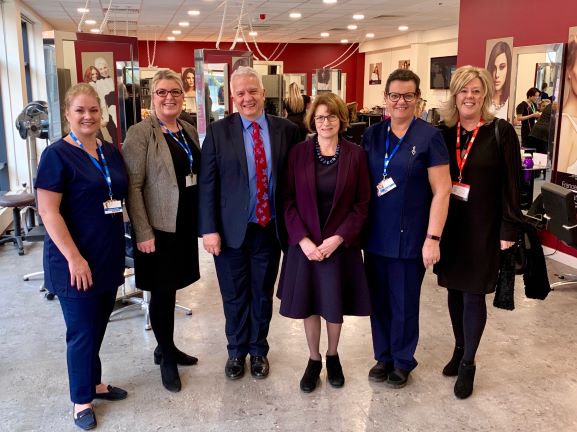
99 237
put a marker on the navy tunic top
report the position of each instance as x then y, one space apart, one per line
398 220
99 237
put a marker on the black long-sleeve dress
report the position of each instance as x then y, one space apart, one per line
470 244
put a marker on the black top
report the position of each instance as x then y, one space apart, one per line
326 178
525 109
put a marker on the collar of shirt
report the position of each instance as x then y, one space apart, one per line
261 120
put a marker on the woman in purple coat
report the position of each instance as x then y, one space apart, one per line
326 204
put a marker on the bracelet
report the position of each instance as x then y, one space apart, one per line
433 237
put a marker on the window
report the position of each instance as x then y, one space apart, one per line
27 73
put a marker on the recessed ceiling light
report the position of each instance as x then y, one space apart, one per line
170 38
239 39
325 34
295 15
352 27
329 1
183 24
94 30
344 41
82 10
370 35
193 12
253 33
90 22
358 16
176 32
403 28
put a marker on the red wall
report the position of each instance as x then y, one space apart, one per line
297 58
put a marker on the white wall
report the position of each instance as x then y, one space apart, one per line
526 66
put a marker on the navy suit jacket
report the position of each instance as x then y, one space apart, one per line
350 202
223 180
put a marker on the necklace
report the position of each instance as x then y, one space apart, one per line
326 160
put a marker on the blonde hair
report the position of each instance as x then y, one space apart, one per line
164 74
334 104
463 76
73 92
295 101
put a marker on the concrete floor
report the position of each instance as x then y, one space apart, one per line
526 379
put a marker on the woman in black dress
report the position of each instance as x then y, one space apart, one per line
296 106
162 156
484 213
326 204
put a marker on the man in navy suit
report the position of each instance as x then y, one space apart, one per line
242 169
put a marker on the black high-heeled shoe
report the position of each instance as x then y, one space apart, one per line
170 376
182 358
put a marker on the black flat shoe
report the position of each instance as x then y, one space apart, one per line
259 367
465 380
234 368
335 371
85 419
182 359
451 369
398 378
170 377
311 376
380 371
113 394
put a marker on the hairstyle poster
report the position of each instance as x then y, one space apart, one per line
566 174
498 61
375 70
404 64
98 70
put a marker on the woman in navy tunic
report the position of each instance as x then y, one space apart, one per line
81 184
326 203
408 165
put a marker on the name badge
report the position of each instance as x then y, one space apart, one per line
460 191
385 185
191 180
112 206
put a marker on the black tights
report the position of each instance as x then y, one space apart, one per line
161 310
468 317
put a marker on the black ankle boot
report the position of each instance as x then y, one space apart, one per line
311 375
182 358
452 368
170 376
335 371
464 384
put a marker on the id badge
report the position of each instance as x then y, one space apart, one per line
191 180
386 185
112 206
460 191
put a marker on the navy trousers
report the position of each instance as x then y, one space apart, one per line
86 320
246 276
395 286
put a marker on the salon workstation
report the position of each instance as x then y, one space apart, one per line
157 272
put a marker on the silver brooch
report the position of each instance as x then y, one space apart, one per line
414 151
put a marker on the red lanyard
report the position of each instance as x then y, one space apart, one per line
461 161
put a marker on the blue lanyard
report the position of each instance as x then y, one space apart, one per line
183 145
388 142
105 172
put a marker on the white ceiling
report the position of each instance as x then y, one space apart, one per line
155 19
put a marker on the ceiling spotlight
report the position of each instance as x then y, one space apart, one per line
193 12
403 28
94 30
253 33
329 1
358 16
370 35
295 15
82 10
325 34
170 38
344 41
183 23
239 39
176 32
90 22
352 27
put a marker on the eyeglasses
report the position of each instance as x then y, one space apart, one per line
395 97
321 119
163 93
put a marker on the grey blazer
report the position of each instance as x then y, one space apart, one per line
152 189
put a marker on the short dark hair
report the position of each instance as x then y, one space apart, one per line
532 92
403 75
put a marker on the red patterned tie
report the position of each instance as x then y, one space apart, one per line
262 206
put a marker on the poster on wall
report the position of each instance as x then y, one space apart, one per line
567 150
189 89
375 70
404 64
498 63
98 73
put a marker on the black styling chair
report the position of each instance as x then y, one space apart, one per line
561 219
354 132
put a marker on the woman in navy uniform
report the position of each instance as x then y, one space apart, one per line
81 184
409 171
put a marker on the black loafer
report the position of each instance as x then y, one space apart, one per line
182 359
259 367
113 394
234 368
398 378
85 419
380 371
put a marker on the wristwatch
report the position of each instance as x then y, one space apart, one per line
433 237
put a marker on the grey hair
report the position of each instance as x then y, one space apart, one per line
164 74
245 71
